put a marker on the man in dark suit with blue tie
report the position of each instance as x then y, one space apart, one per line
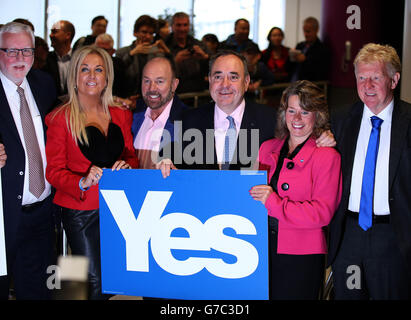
25 98
370 235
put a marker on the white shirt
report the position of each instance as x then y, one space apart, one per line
381 206
221 125
13 99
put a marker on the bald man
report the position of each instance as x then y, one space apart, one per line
154 126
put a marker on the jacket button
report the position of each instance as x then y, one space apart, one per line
21 173
19 197
285 186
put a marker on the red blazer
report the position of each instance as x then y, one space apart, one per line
66 164
310 201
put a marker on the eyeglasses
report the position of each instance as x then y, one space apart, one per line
26 52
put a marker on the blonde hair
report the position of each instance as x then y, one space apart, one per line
106 38
372 52
74 112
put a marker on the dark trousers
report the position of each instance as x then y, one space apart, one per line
83 235
294 277
33 253
369 264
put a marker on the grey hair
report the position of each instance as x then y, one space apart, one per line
106 38
16 27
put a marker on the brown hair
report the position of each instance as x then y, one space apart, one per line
145 20
312 99
223 53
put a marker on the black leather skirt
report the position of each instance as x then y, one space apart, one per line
83 235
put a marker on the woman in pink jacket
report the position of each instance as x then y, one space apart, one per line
303 193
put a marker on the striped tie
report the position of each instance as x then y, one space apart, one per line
36 173
229 143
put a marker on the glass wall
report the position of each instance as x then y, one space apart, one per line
218 17
272 14
209 16
32 10
131 10
80 13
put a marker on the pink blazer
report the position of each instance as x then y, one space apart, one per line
309 203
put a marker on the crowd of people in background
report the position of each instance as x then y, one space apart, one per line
277 63
67 114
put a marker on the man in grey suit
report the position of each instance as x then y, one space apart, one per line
370 235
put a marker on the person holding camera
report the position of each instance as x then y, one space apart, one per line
136 55
190 55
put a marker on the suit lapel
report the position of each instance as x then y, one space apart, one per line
5 113
349 133
36 90
176 109
209 124
399 125
205 123
247 123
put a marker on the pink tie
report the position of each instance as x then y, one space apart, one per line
36 174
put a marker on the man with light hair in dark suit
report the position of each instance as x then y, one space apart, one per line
370 234
25 97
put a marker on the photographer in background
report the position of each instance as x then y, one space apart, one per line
136 55
190 55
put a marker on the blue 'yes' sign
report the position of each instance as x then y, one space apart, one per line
197 234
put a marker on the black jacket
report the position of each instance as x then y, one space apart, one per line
259 117
346 125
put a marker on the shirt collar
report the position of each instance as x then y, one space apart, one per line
10 89
385 114
9 86
162 118
66 57
221 117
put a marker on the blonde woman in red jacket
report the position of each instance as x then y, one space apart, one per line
303 193
84 136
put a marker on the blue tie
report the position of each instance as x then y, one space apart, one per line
368 179
229 143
